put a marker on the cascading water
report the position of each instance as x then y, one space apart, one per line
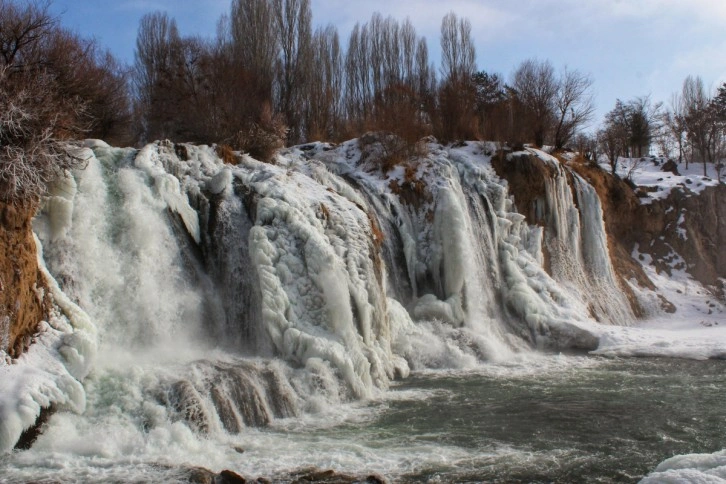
578 248
226 296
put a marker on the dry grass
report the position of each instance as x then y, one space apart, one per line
227 154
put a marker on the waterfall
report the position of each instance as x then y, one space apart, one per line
226 296
577 244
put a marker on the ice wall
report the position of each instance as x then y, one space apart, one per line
577 244
244 292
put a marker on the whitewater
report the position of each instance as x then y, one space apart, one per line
266 317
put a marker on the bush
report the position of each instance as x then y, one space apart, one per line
261 139
30 155
54 86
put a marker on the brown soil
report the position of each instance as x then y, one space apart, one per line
24 296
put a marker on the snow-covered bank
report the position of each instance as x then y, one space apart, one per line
696 329
691 468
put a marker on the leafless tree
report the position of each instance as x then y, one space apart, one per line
536 87
704 129
157 46
254 41
673 120
293 20
53 86
574 106
458 55
357 77
457 117
324 106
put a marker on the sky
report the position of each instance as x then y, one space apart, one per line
630 48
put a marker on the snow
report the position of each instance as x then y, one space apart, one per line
691 468
51 371
647 172
696 330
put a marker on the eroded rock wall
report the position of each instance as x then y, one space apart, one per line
684 231
23 294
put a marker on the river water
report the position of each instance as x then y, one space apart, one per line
550 419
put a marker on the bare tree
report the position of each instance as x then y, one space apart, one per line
674 123
254 42
293 20
458 55
457 93
357 77
36 114
703 127
574 106
157 45
610 140
324 106
536 88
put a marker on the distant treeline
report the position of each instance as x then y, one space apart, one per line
268 76
268 79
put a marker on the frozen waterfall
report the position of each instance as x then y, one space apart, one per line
223 296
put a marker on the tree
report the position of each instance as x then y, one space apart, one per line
674 124
704 126
157 51
611 141
324 110
535 87
53 88
718 106
628 130
574 106
457 93
293 19
491 104
458 54
550 105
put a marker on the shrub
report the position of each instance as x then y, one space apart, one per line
54 86
261 139
227 155
30 155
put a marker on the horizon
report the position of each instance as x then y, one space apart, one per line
629 50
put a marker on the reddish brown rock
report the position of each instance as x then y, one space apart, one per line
24 297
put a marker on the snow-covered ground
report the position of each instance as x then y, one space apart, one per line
697 329
647 172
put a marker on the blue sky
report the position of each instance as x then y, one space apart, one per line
630 47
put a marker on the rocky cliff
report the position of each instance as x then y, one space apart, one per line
681 231
23 293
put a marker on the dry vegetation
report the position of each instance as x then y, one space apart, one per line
54 86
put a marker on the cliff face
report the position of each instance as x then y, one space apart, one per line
682 231
23 292
692 227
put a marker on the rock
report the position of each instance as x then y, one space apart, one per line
332 477
670 166
200 475
31 434
24 297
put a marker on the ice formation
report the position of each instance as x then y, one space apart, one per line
246 292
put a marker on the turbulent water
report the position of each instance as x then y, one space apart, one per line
208 308
555 419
